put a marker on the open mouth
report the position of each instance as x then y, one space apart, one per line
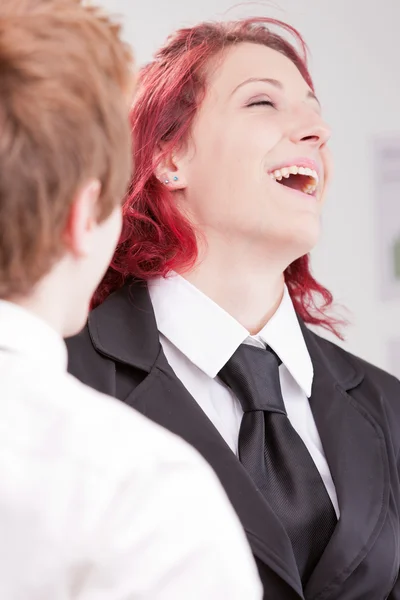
300 179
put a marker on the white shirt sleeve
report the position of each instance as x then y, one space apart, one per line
173 537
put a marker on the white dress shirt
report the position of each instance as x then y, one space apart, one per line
199 337
97 502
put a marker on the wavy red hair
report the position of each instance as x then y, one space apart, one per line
156 237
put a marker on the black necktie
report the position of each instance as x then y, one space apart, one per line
276 457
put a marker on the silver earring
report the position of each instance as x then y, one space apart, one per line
166 181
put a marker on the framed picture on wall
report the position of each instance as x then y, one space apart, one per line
386 159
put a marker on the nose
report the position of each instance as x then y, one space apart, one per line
310 128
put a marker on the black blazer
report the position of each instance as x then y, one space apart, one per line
357 411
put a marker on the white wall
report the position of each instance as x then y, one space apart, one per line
354 62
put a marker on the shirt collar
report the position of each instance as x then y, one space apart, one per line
283 334
208 336
25 334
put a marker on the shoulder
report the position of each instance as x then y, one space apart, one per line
125 315
95 468
113 436
84 432
88 365
147 466
98 442
121 331
376 386
370 371
104 324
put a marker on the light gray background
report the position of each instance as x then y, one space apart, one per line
355 50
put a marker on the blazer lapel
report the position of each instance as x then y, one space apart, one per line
356 454
124 329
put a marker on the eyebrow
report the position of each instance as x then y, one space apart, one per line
273 82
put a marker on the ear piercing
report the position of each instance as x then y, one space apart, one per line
175 178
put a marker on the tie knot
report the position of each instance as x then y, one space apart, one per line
253 375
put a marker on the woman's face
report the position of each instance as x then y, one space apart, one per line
256 165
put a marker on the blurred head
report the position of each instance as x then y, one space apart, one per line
229 144
65 147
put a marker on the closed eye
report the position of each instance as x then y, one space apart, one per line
262 103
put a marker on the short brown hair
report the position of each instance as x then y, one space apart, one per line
65 75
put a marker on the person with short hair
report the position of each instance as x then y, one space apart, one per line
96 502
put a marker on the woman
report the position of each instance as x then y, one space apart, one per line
206 331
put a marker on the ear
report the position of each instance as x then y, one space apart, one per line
83 219
170 169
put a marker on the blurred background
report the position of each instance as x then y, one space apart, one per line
354 52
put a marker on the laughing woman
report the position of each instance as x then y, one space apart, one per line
202 320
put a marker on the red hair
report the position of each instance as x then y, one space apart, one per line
156 237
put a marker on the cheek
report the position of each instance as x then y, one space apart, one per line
234 146
327 162
227 176
251 149
267 138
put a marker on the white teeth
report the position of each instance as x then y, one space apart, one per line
285 172
310 189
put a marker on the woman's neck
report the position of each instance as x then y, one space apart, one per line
248 288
